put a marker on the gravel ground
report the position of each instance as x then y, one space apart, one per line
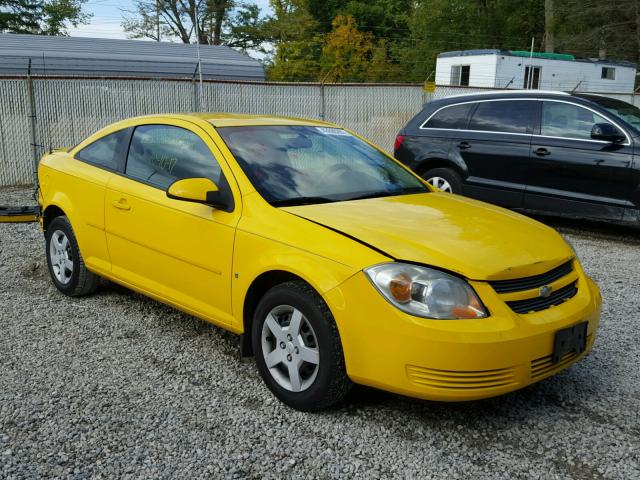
117 385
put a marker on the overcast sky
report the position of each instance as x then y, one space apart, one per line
107 18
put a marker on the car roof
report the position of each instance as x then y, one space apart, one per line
219 119
238 120
504 94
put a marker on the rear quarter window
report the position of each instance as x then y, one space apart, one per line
450 117
104 151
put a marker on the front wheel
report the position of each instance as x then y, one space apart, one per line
444 179
297 348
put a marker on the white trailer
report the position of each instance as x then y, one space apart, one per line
548 71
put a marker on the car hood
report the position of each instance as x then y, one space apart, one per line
472 238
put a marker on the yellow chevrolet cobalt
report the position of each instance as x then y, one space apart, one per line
335 263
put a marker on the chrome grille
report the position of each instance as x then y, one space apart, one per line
542 303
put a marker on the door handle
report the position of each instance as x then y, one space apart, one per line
122 204
541 152
464 145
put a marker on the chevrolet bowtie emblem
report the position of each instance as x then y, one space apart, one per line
545 291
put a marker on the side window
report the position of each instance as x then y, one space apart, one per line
568 121
511 116
453 117
161 154
104 152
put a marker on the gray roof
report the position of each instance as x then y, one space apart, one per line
107 57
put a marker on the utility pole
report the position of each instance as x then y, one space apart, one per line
549 27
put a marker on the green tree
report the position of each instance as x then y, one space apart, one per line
347 52
45 17
599 29
404 37
444 25
296 40
352 55
218 22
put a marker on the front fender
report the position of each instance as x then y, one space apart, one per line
255 255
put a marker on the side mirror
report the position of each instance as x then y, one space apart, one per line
199 190
606 132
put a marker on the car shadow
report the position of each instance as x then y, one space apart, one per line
560 395
625 233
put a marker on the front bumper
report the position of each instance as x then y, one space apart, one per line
454 360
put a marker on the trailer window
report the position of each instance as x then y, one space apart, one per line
460 74
532 77
608 73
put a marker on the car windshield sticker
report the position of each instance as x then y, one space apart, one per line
333 131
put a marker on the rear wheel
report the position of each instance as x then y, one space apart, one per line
297 348
444 179
66 266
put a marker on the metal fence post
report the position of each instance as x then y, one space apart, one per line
194 102
322 105
32 116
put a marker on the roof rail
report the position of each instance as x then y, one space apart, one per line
508 92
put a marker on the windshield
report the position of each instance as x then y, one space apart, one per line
296 165
624 110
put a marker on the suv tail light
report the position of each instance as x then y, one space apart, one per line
398 143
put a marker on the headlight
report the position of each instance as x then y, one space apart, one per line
426 292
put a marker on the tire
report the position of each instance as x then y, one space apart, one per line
320 385
450 177
66 266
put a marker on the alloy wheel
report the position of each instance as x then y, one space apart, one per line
440 183
61 257
290 348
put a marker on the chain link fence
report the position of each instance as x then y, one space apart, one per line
66 110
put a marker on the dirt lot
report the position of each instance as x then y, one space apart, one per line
119 385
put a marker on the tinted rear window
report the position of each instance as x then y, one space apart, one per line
454 117
104 151
512 116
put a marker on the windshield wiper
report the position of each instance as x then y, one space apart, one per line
387 193
290 202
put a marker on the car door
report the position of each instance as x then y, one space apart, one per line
421 144
177 251
495 148
85 186
571 173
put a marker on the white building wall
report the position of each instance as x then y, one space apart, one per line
564 75
505 71
481 74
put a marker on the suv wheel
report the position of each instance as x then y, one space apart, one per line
297 348
444 179
67 269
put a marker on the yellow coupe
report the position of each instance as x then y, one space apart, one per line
334 262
